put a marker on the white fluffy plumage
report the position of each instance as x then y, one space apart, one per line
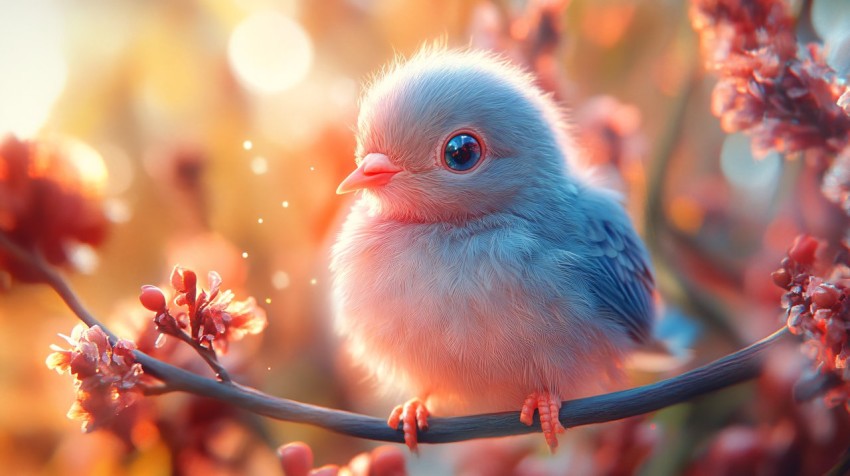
473 291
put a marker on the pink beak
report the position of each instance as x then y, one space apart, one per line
375 170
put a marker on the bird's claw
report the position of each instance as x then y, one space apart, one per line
414 416
548 406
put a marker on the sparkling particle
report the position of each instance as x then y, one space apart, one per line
259 165
268 300
244 254
313 281
260 221
312 169
285 204
247 145
280 280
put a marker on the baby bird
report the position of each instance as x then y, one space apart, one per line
477 271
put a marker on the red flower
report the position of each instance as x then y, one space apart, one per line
106 376
213 317
224 319
50 196
817 306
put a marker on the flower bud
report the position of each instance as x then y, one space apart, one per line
803 250
781 278
152 298
825 296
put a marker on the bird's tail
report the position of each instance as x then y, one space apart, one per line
669 347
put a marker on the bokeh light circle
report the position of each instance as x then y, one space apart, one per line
745 171
269 52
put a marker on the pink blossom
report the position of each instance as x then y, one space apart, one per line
213 316
785 100
106 377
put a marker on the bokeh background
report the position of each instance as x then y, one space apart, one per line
216 132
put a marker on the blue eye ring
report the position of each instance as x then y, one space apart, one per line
462 151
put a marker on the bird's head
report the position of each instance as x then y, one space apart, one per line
450 135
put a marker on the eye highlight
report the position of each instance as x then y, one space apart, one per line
462 152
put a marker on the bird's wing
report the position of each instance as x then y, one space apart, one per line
620 263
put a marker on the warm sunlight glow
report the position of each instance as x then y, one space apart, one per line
89 164
32 66
269 52
259 165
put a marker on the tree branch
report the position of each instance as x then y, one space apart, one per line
49 275
730 370
206 353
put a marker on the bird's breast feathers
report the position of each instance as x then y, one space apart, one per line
449 309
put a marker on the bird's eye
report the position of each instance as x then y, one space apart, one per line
462 152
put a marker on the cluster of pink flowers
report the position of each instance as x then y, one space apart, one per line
106 376
213 317
818 309
789 100
786 101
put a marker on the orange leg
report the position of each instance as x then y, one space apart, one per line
548 406
414 416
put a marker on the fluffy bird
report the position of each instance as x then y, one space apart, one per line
478 271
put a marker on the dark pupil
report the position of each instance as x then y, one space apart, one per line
462 152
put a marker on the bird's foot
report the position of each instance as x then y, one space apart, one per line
414 416
548 406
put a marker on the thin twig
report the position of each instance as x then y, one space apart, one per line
730 370
207 354
51 277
